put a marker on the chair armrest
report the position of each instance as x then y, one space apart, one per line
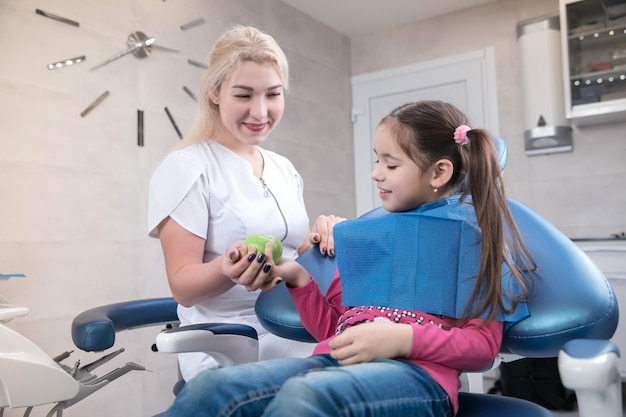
94 330
227 343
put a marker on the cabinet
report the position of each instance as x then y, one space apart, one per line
593 34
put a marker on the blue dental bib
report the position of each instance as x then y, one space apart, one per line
424 260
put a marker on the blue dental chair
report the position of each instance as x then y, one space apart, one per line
573 310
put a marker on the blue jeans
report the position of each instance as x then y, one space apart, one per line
315 386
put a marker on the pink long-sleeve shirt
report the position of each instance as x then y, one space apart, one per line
441 346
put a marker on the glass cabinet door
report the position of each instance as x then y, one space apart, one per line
595 44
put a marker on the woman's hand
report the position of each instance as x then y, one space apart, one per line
322 234
258 271
248 268
370 341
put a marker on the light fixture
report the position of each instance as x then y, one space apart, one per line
546 130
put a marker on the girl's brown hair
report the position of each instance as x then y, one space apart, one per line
425 131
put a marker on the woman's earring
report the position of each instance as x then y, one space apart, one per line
435 189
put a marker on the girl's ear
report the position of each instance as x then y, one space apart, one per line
442 172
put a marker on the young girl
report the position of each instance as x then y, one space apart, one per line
427 288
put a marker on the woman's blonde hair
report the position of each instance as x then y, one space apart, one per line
236 45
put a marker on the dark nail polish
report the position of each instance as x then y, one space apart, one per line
232 255
251 257
266 267
331 252
315 238
260 258
323 251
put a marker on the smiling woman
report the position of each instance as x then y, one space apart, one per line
196 214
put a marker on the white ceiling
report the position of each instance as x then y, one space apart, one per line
359 17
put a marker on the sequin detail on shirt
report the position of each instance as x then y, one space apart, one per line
365 314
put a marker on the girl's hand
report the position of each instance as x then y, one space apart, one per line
322 234
370 341
291 272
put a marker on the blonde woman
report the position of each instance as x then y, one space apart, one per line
220 186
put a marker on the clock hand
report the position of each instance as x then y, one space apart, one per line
136 46
163 48
143 52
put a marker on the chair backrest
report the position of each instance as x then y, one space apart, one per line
571 298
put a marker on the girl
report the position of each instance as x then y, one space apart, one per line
395 340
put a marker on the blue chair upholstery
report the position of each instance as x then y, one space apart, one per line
94 330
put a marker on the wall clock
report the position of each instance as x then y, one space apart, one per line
139 47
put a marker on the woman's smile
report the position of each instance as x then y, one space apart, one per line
256 127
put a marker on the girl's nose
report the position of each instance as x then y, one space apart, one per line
375 175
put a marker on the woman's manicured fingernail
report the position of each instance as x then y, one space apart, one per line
266 268
251 257
315 238
331 252
260 258
232 255
323 251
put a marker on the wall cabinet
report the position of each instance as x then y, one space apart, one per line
593 34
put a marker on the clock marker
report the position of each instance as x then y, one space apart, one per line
139 127
169 115
95 103
190 93
57 18
197 64
192 24
66 62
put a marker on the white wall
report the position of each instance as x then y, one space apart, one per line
73 190
580 192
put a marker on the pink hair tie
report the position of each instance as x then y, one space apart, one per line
460 134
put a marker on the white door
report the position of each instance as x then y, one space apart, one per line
467 81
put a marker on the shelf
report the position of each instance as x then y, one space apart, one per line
610 75
611 30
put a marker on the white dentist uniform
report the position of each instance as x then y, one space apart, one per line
212 192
